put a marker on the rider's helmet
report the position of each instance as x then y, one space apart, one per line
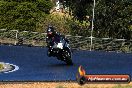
50 31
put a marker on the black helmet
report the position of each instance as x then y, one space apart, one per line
50 31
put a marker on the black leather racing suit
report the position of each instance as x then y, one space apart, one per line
50 40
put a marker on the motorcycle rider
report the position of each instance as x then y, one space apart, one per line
52 37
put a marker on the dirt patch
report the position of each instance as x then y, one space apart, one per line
6 67
1 66
59 85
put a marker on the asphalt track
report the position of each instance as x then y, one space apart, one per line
35 65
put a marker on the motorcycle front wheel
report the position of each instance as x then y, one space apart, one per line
66 55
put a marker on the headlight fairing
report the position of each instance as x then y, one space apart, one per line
60 45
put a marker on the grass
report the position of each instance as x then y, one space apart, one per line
1 66
60 86
117 86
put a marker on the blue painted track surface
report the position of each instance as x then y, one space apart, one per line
35 65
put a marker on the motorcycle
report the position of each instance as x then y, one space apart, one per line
61 50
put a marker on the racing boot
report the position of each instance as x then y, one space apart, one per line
49 53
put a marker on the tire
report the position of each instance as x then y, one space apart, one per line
69 61
67 57
82 80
